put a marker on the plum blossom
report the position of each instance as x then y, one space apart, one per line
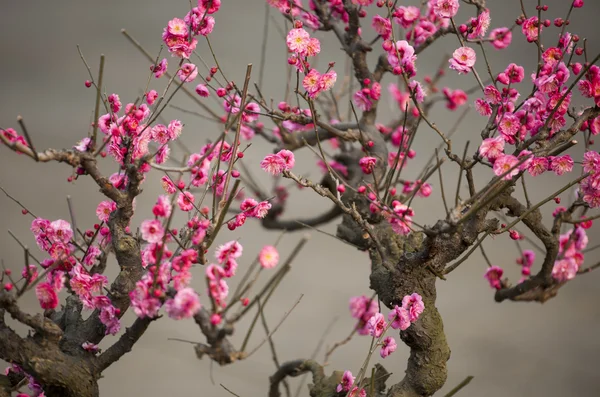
275 164
414 306
399 317
388 346
185 201
185 304
463 59
492 148
347 382
376 325
46 295
445 8
504 164
268 257
493 276
152 231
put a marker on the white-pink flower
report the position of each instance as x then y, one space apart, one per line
268 257
504 164
463 59
445 8
185 304
152 231
492 148
187 72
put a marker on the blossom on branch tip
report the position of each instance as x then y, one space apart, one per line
493 276
275 164
268 257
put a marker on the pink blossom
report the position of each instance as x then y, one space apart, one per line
463 59
500 38
160 68
151 97
531 28
232 249
152 231
104 210
512 74
185 304
275 164
362 306
268 257
163 207
414 306
347 382
565 269
382 26
376 325
493 276
357 392
508 126
492 148
538 165
327 80
400 318
90 347
83 145
455 98
311 83
185 201
388 346
174 129
561 164
479 25
504 164
362 101
168 185
298 40
417 90
406 15
46 295
202 90
367 164
445 8
177 27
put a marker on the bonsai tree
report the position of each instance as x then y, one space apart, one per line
530 122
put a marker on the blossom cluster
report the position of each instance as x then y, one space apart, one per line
56 238
371 322
570 254
179 34
302 46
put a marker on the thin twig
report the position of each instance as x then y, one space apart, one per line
276 327
462 384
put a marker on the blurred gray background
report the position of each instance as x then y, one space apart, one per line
511 349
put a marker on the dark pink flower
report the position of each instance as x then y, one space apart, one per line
493 276
46 295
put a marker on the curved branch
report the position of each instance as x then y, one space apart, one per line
293 369
272 223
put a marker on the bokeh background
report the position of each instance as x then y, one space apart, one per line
512 349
